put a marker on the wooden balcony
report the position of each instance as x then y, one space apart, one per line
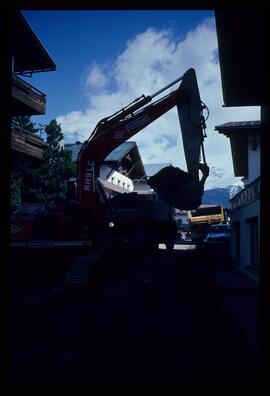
26 143
26 100
250 194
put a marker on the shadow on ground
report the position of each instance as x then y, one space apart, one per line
153 317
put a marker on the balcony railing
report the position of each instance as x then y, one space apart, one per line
250 194
27 143
27 100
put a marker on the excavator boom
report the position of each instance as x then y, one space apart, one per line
112 131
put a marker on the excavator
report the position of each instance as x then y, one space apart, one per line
93 212
112 131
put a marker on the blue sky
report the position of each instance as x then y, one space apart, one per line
75 39
105 59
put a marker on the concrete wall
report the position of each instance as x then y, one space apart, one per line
254 163
243 215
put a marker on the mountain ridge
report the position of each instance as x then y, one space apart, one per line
221 195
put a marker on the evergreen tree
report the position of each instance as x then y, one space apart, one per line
15 193
54 134
25 123
47 181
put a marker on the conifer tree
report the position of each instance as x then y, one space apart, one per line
25 123
47 181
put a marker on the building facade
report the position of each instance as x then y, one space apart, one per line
245 140
121 168
28 56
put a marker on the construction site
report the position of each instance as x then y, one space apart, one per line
127 280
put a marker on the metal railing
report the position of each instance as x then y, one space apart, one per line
29 94
250 194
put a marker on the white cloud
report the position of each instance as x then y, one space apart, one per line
95 77
150 61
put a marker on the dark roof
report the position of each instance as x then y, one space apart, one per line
238 126
29 53
239 34
126 155
238 134
119 152
115 156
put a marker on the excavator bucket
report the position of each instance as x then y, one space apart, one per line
189 114
175 187
183 190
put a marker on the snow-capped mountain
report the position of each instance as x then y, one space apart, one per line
235 189
221 196
220 187
221 178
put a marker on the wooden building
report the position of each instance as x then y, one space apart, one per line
28 56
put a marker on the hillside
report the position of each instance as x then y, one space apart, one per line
220 196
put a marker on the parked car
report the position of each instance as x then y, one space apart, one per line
219 234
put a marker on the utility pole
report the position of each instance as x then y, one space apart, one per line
76 136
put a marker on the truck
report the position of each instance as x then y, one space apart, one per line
201 219
87 218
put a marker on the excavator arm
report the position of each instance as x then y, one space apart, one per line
112 131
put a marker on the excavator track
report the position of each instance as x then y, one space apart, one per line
86 267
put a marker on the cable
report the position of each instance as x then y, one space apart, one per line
205 107
203 119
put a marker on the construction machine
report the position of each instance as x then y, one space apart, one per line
112 131
92 213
